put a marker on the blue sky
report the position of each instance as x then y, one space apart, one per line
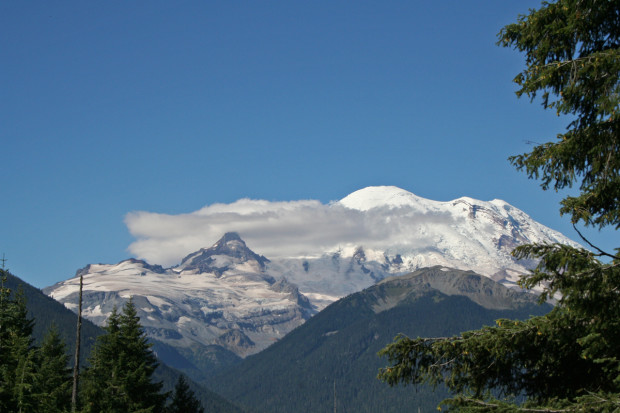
113 107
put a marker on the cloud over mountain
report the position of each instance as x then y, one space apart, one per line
464 232
279 229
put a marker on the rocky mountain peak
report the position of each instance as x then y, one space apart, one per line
230 237
283 285
231 244
359 255
230 249
382 197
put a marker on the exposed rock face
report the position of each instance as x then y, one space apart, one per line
481 290
229 251
235 339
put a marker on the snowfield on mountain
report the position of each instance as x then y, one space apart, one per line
228 295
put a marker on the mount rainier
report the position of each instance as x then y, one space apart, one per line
228 297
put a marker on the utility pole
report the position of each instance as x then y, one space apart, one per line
2 294
76 363
334 395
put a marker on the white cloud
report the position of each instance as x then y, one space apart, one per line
274 229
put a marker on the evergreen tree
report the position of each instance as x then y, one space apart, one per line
100 391
183 399
121 368
17 357
568 360
54 380
25 374
139 362
31 379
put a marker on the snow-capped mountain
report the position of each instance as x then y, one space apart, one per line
465 233
229 296
216 296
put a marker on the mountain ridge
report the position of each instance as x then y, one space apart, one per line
220 303
227 300
338 347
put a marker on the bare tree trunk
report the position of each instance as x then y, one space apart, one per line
76 364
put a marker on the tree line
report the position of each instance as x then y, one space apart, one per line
118 377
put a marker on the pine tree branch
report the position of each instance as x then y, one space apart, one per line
516 408
598 402
601 252
589 58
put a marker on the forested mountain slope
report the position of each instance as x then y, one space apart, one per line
332 359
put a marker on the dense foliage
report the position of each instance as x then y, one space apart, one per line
121 368
572 51
32 379
568 360
184 399
47 312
